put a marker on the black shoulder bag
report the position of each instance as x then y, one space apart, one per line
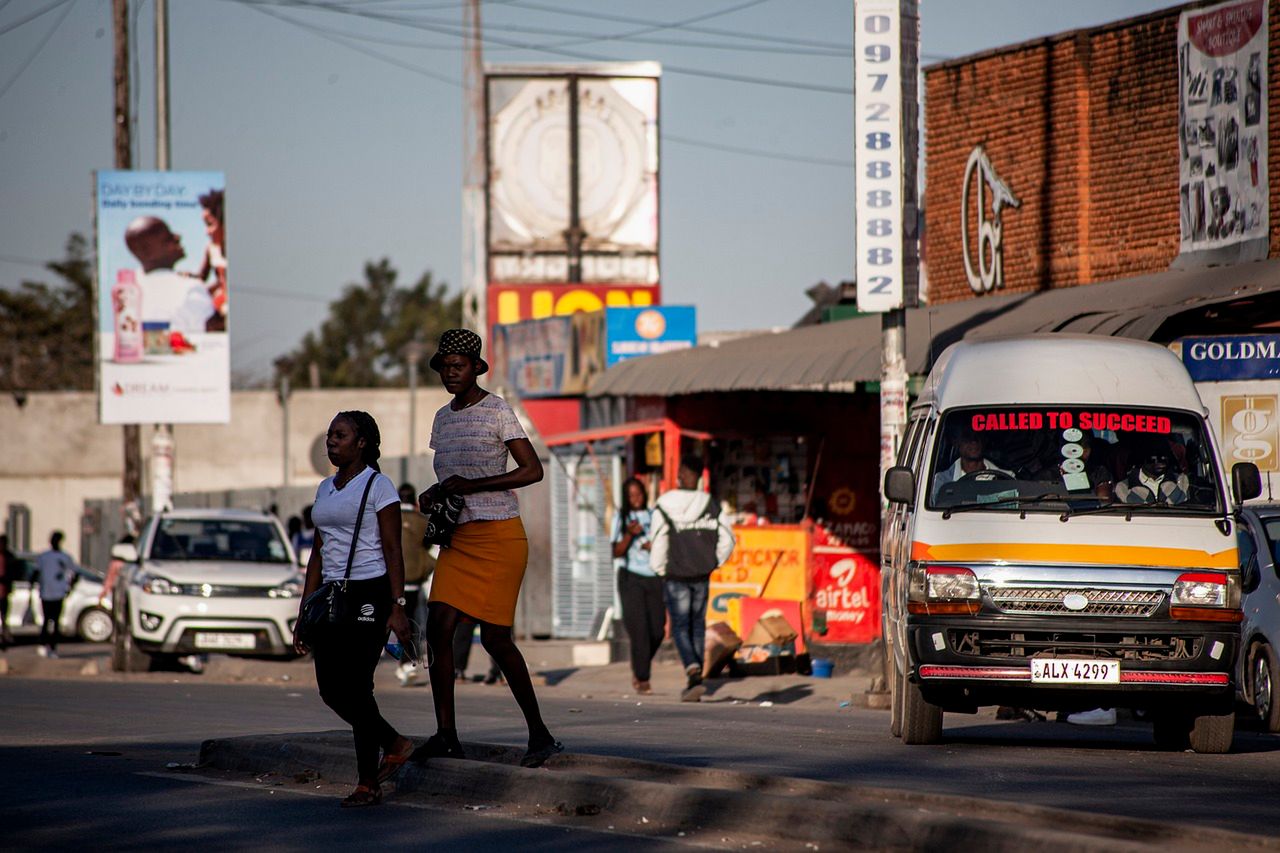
327 606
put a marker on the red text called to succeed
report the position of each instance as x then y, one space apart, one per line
1114 421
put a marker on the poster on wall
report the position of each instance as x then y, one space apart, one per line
649 331
1222 130
162 299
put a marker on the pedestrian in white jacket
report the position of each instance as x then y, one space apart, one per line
690 541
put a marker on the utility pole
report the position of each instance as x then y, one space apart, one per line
131 482
475 273
162 443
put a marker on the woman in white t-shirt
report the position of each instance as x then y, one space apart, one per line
479 575
347 655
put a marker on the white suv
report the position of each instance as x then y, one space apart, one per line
205 580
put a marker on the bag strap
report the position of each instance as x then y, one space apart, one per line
355 534
670 523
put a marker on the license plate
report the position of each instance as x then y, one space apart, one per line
225 641
1073 671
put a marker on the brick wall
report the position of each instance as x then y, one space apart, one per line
1083 127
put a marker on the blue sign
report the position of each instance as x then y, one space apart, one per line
1231 357
632 332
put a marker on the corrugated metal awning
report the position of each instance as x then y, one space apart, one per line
836 356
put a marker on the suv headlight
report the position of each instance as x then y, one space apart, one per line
291 588
157 585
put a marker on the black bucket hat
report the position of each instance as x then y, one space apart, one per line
459 342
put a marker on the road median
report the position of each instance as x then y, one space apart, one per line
713 806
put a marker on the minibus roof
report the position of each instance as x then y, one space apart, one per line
1059 369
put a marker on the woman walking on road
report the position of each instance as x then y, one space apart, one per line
357 518
644 613
478 575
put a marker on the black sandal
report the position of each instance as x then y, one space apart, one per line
538 757
363 796
438 746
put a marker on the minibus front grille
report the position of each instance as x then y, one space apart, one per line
1015 645
1050 600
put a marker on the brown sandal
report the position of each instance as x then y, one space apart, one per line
363 796
393 761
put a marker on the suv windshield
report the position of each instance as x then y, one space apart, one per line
1051 458
218 539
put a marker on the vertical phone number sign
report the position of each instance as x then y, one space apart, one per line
878 153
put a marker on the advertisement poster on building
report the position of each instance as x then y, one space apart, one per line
767 562
648 331
513 303
162 298
1222 129
845 598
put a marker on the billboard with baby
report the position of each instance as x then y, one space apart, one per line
162 301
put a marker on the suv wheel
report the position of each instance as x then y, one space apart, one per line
1266 681
95 625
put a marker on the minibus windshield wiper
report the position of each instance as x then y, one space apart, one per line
1130 509
999 503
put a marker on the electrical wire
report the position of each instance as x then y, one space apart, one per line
344 42
757 152
654 28
456 30
10 27
8 84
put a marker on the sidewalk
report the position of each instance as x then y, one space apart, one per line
545 659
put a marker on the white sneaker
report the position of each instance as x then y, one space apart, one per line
195 663
42 651
407 673
1096 717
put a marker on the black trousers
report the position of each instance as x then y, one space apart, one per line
346 656
644 615
49 634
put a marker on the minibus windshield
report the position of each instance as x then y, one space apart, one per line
1056 458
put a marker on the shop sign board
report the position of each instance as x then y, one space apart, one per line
878 152
513 303
844 604
1224 195
163 354
767 562
634 332
1232 357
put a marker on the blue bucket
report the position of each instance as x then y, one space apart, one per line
822 667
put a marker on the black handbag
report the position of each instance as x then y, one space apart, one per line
327 606
442 519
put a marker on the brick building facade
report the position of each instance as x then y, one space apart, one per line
1082 127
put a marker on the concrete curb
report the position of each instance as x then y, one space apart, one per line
702 804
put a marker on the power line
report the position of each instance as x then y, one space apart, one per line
653 28
344 42
757 152
7 28
455 30
679 140
68 6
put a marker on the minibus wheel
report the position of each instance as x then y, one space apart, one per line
921 721
1213 733
895 700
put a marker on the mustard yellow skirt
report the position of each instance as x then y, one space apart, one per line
481 571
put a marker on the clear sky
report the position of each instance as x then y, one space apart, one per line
338 124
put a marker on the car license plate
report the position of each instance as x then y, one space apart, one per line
1074 671
224 641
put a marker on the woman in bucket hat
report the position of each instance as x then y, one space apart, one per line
478 575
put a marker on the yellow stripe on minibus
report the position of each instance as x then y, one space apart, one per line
1116 555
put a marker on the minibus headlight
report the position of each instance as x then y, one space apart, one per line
944 589
1200 589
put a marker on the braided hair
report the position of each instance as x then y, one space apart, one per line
367 428
627 510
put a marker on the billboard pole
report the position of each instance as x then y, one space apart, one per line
162 443
474 250
131 481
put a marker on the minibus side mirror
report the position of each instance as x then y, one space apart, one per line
900 485
1246 481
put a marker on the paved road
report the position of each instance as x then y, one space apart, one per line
53 728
